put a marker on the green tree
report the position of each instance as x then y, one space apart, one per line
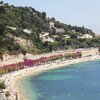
2 71
2 85
44 15
1 2
7 94
2 9
2 28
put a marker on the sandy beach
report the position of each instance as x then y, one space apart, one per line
11 78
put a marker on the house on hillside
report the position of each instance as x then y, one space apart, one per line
55 37
13 28
28 31
73 31
66 36
85 36
44 36
59 30
48 39
51 24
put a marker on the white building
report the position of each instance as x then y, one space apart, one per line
28 31
86 36
13 28
44 36
51 24
73 31
48 39
55 37
59 30
66 36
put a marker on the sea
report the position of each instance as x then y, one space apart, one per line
74 82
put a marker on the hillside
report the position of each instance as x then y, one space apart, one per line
31 30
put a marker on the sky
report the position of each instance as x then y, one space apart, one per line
75 12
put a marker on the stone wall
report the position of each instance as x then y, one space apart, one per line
90 52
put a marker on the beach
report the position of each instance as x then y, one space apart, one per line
33 44
11 78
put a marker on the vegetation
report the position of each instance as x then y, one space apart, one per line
1 28
2 71
41 60
28 18
2 85
7 94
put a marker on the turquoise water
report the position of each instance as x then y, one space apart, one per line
76 82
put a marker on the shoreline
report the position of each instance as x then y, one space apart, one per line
12 78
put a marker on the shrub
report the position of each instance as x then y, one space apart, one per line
2 85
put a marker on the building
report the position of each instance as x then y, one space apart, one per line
73 31
66 36
89 52
51 24
85 36
28 31
13 28
59 30
55 37
44 36
48 39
